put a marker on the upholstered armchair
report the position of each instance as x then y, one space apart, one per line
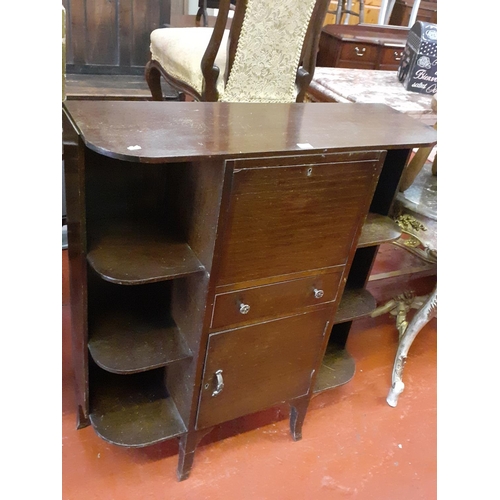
267 55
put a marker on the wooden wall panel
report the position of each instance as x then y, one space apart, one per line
112 36
101 32
143 18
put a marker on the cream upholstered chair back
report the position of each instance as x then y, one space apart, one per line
268 51
267 55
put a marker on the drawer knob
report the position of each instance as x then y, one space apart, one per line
318 293
244 308
398 55
360 52
220 383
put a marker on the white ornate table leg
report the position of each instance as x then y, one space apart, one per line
421 318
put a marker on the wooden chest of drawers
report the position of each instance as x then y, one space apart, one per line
361 46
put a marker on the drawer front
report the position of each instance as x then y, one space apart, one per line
271 301
286 218
362 53
390 57
255 367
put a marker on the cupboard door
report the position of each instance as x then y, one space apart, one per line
286 218
255 367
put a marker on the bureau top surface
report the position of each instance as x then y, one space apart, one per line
154 132
377 34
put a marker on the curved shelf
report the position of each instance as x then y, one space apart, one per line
355 304
133 253
124 341
378 229
337 368
133 410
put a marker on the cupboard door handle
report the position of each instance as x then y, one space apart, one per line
318 293
244 308
360 52
220 383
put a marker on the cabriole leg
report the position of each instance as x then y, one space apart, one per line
421 318
153 76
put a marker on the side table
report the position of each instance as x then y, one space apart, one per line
416 214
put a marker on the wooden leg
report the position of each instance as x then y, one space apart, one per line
414 166
187 446
298 410
338 15
153 76
82 420
421 318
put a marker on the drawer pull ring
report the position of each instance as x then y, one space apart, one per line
318 293
244 308
398 55
220 383
360 52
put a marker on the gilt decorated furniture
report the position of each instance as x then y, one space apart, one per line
267 55
415 211
218 255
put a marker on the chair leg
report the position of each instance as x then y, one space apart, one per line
421 318
338 15
361 11
153 76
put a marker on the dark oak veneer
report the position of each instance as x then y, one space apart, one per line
210 245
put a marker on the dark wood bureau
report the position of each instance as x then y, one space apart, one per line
361 46
218 255
401 12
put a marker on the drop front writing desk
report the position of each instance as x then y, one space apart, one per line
218 256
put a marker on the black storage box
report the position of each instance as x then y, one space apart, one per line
418 68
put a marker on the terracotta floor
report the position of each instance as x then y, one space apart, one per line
354 445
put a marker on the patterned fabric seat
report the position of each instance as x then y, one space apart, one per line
267 55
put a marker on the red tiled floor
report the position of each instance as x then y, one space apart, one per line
354 445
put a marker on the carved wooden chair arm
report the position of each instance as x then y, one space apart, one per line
305 71
208 68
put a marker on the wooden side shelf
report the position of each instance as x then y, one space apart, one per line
124 341
355 304
133 410
133 254
378 229
337 369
